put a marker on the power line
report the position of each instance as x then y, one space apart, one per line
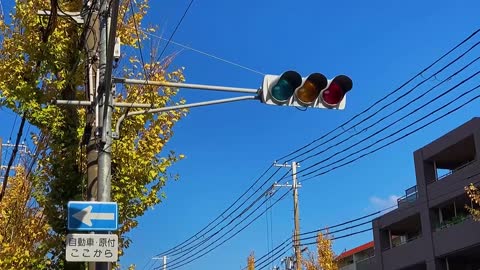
273 257
375 104
198 256
402 137
175 30
190 244
336 226
222 216
451 111
12 158
190 249
420 107
413 100
444 67
206 54
285 244
340 237
442 57
138 40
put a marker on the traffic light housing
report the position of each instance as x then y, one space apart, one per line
316 91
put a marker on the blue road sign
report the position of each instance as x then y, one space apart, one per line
92 216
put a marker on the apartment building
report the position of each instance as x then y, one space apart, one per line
431 229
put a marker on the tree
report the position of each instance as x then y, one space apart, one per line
325 258
251 262
474 194
42 59
24 236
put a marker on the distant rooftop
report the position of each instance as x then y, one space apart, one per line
355 250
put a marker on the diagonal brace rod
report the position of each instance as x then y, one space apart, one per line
116 134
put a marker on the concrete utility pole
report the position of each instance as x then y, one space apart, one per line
99 118
296 213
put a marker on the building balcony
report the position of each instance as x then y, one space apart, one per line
456 236
404 255
410 196
366 264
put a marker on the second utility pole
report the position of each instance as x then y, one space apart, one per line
296 212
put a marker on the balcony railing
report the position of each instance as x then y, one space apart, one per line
455 170
454 221
409 197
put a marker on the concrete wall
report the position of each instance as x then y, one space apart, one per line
431 246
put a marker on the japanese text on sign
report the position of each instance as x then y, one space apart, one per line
92 247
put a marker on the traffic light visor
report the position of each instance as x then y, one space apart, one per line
309 91
337 89
285 86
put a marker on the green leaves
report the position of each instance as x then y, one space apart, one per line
40 61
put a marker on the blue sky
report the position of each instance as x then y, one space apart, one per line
379 44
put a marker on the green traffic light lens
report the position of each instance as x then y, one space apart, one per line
282 91
285 86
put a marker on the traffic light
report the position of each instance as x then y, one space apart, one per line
315 91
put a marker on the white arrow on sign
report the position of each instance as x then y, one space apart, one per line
86 216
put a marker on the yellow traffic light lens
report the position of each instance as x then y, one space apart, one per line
307 93
311 88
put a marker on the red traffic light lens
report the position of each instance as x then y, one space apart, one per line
337 89
285 86
310 90
333 94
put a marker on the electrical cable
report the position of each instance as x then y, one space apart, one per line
289 239
221 216
13 127
135 25
205 53
273 257
405 208
244 227
191 249
180 264
400 138
267 224
420 107
439 60
339 230
12 158
191 246
375 104
412 101
271 225
347 222
175 30
273 252
339 237
396 100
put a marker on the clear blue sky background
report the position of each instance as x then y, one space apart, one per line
379 44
